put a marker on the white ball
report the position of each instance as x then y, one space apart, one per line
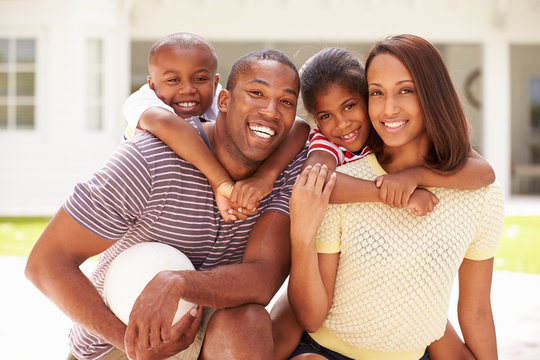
133 268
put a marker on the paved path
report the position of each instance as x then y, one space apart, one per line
32 328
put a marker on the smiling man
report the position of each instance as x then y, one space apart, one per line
240 265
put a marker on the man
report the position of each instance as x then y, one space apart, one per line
147 193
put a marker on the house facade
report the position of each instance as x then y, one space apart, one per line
66 67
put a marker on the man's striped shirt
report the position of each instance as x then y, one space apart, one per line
146 192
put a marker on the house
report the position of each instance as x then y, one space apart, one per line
66 67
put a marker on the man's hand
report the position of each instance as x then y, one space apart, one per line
182 336
152 314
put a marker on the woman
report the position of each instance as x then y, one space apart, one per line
376 282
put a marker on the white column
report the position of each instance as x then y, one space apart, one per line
496 107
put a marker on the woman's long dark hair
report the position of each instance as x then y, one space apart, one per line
446 125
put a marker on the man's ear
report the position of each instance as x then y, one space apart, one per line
223 100
150 82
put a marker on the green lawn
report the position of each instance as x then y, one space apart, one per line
519 248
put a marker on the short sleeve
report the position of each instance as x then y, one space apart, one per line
114 197
329 233
319 142
136 104
484 244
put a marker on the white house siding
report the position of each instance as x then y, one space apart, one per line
39 168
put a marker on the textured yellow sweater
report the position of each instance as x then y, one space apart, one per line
396 269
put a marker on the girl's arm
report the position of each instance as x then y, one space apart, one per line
476 173
247 193
474 308
312 275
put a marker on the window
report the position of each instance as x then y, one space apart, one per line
525 119
94 84
17 83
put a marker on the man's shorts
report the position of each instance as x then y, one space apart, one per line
191 353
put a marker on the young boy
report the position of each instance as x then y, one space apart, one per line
183 77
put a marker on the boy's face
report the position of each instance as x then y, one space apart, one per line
342 117
260 109
185 79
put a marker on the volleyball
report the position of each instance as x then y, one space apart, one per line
133 268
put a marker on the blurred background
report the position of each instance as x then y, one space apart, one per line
66 67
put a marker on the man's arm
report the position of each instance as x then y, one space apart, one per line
264 268
53 267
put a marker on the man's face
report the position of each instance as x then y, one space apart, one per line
185 79
260 109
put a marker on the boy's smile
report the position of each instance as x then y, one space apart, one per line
185 79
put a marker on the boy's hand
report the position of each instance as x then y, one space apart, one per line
249 192
395 189
228 210
422 202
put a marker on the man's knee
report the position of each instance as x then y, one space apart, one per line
250 317
244 332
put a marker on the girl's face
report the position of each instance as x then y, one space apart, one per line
342 117
394 107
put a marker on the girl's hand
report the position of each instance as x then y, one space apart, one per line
309 200
395 189
422 202
249 192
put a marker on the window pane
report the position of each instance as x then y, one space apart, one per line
3 84
26 50
3 51
525 76
94 85
3 117
24 117
94 47
25 84
95 117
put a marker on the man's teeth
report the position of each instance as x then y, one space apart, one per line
395 124
262 131
187 104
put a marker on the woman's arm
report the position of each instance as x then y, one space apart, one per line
474 308
312 276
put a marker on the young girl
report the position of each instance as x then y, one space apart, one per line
376 281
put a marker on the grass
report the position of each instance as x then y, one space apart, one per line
518 251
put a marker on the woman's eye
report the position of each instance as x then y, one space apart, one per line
349 106
406 91
375 93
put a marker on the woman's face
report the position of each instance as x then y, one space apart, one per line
394 107
342 117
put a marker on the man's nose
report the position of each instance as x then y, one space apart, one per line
270 109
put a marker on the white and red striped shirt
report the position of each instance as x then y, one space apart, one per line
145 192
319 142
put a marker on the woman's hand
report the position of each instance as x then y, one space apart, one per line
309 200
